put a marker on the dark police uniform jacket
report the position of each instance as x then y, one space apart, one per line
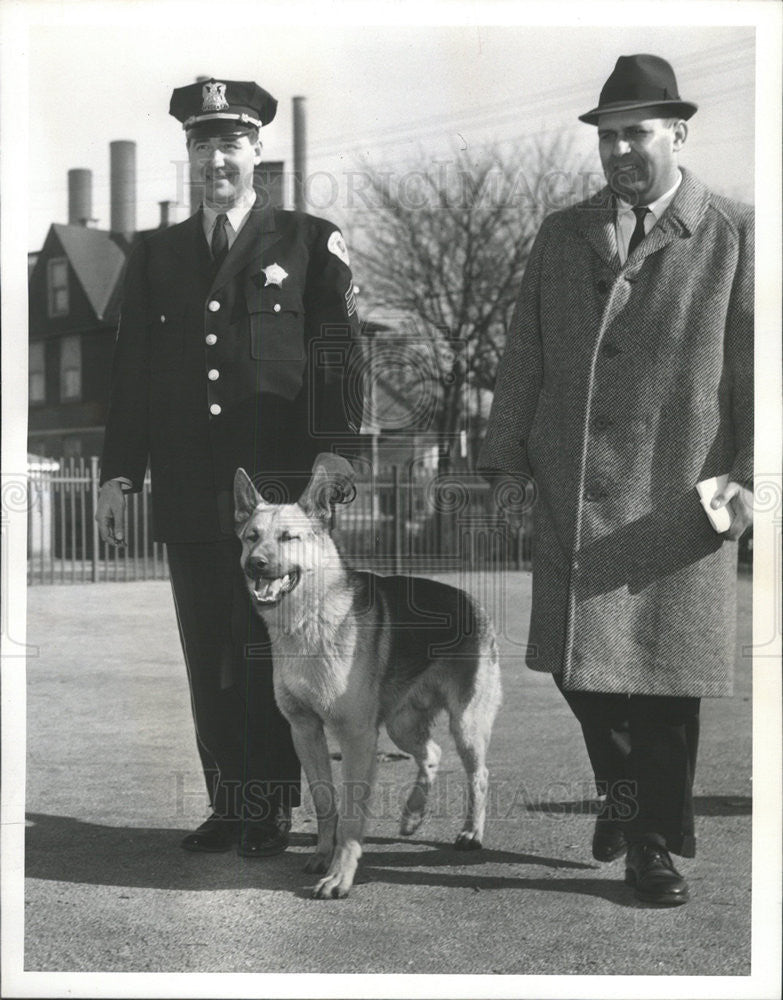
257 365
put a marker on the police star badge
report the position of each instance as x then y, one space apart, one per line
275 275
213 96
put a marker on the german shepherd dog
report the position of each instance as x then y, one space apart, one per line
352 650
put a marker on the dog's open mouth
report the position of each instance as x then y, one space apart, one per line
271 591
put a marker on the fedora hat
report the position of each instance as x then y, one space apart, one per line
640 81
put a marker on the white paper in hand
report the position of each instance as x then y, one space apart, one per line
720 519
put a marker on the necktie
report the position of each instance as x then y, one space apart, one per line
219 244
638 234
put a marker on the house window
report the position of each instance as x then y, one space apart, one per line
58 287
37 372
70 368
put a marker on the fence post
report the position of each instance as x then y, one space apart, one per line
94 495
397 514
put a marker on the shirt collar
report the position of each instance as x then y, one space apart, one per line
236 215
657 207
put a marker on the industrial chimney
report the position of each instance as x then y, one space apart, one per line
79 197
122 154
300 154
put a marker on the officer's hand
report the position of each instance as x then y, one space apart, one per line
341 476
739 501
110 514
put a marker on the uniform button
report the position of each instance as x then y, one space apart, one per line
610 350
277 307
602 286
211 339
213 374
213 306
215 409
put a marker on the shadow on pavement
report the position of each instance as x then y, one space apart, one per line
63 849
704 805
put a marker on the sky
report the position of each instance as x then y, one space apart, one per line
375 94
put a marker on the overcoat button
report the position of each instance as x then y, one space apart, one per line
277 307
211 339
213 374
602 286
213 306
162 318
215 409
610 350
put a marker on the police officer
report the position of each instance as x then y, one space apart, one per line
236 347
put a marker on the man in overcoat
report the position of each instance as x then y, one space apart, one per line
627 381
236 347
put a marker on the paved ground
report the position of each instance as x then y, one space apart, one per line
113 784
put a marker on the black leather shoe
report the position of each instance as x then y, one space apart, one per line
264 838
214 836
608 839
649 868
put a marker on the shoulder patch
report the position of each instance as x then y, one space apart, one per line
336 245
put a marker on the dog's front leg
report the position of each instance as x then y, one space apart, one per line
313 752
358 750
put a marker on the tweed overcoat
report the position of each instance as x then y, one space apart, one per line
621 388
257 365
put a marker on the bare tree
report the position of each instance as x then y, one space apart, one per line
445 243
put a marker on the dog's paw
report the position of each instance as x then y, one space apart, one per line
467 841
336 885
317 863
410 823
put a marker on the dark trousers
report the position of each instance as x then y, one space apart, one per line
245 744
642 749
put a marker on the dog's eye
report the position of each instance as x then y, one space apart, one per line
251 536
288 537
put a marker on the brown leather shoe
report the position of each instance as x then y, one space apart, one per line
650 869
214 836
608 839
266 837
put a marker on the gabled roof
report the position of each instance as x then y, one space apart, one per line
97 262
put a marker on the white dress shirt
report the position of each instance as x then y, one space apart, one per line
625 220
237 217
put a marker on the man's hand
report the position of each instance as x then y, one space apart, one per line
739 501
110 514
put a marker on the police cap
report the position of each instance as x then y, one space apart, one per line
220 107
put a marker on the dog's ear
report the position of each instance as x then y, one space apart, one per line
317 497
246 497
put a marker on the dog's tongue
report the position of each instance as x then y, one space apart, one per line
271 590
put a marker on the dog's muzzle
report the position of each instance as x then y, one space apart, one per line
266 591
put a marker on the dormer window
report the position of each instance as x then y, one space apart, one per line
58 287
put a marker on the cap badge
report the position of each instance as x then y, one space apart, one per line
275 275
213 96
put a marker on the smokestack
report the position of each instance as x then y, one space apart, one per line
167 212
79 197
300 149
122 156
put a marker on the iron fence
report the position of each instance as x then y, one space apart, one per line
394 525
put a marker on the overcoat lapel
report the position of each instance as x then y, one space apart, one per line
595 223
678 221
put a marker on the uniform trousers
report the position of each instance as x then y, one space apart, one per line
245 743
642 749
